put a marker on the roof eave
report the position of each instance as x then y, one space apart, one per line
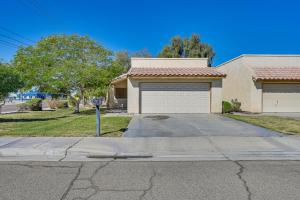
171 76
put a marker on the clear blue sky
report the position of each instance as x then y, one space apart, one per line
231 27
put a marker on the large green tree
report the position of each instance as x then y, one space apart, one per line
188 48
69 64
9 82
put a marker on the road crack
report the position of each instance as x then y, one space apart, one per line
66 151
154 174
92 186
239 174
72 182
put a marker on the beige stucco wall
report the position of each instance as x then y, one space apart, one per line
169 62
238 83
133 103
271 60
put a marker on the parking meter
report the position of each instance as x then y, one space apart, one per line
98 102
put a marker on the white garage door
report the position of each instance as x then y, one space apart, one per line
281 98
175 97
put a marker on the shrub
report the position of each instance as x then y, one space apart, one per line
32 104
35 104
62 104
51 103
227 107
54 103
23 107
236 105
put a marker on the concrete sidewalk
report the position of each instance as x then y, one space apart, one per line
161 149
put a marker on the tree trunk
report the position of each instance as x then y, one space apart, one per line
1 104
77 106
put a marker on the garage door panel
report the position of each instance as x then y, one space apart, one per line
281 98
175 97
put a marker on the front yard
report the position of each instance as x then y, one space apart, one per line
281 124
62 122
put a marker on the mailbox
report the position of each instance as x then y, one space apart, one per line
98 102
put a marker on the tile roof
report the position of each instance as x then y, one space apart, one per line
175 72
120 78
277 73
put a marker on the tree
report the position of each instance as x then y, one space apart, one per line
143 53
123 57
9 82
188 48
65 64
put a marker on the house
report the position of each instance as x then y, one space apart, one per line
169 85
31 94
263 83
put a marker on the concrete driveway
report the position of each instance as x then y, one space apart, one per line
191 125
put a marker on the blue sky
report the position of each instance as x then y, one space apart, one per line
231 27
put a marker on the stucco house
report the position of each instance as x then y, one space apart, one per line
263 83
169 85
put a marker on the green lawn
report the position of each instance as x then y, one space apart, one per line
62 122
281 124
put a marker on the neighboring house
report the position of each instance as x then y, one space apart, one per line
168 85
263 83
31 94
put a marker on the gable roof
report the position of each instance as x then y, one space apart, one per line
276 73
175 72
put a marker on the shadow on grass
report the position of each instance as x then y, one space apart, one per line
120 130
90 111
2 120
86 112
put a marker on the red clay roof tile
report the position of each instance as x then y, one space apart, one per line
277 73
175 72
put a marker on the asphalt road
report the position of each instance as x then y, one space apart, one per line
207 180
9 108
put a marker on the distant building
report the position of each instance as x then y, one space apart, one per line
31 94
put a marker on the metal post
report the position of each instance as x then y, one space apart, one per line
98 128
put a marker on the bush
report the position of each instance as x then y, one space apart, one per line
32 104
227 107
35 104
23 107
236 105
54 103
62 104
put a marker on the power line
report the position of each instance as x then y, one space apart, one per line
9 44
39 10
13 39
5 45
16 34
34 5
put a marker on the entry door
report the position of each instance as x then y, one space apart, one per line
175 97
281 98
